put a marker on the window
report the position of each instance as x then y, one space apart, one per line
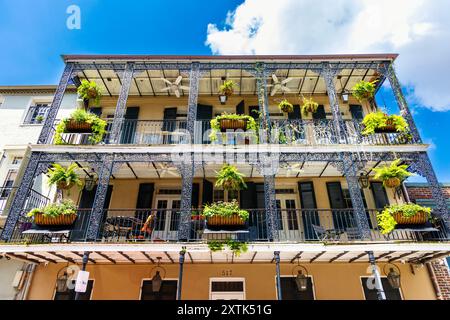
168 290
225 195
348 199
9 182
227 289
371 294
17 160
70 294
37 113
289 289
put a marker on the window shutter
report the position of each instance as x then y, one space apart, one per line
207 195
195 194
296 114
129 126
356 111
320 113
240 108
379 195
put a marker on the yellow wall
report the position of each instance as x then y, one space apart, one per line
331 281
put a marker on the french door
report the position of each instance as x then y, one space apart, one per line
167 218
289 220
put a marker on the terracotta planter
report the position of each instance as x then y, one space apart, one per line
61 220
63 186
232 221
78 127
198 217
227 92
389 128
231 124
419 218
286 109
392 183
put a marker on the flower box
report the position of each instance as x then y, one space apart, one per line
230 221
233 124
62 220
73 126
420 217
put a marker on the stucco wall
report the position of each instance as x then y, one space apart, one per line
8 270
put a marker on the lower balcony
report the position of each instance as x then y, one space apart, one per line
294 226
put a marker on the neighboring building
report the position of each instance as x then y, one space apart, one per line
314 192
420 193
23 110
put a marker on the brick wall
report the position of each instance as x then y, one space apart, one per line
416 191
442 278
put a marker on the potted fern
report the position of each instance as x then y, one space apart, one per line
380 122
225 214
364 90
392 175
229 178
90 93
55 214
286 106
64 178
309 106
399 214
81 121
227 88
231 121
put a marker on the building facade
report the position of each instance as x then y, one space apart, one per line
308 207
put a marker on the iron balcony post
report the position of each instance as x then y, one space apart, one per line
180 274
83 268
277 267
376 274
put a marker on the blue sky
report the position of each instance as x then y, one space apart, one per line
34 35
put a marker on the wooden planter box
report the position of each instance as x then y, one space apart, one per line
232 221
420 218
390 128
229 124
61 220
78 127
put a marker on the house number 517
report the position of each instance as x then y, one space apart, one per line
226 273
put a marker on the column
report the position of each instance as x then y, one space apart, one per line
350 171
121 106
271 207
390 73
21 196
194 80
47 128
83 268
263 102
276 256
104 173
180 273
376 274
187 176
329 74
423 167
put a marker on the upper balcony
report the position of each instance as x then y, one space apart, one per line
164 102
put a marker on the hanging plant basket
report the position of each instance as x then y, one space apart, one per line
230 221
420 217
62 220
233 124
389 128
392 183
62 185
73 126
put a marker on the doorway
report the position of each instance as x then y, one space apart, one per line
227 289
167 217
289 222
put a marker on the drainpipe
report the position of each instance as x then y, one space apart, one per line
180 273
405 193
30 271
376 274
277 264
85 262
433 279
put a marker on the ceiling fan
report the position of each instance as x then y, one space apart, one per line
293 169
175 86
167 169
279 85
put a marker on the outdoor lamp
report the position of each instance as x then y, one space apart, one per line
393 276
61 281
156 282
157 278
363 180
223 99
90 181
345 96
301 279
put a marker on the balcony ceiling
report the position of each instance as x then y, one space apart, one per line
150 83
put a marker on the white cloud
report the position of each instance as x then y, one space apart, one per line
417 29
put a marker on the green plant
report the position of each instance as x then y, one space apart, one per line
236 246
309 105
229 178
89 90
66 207
227 87
386 221
364 90
215 123
394 170
380 120
59 174
39 118
98 126
286 106
225 209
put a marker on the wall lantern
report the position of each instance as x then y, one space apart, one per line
90 181
62 279
345 96
363 180
223 99
393 275
157 279
300 274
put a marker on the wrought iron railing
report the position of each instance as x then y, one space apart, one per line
36 114
293 225
34 199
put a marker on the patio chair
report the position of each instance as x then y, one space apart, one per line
352 234
323 234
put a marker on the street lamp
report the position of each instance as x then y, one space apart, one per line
301 277
61 281
157 279
345 96
393 276
363 180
